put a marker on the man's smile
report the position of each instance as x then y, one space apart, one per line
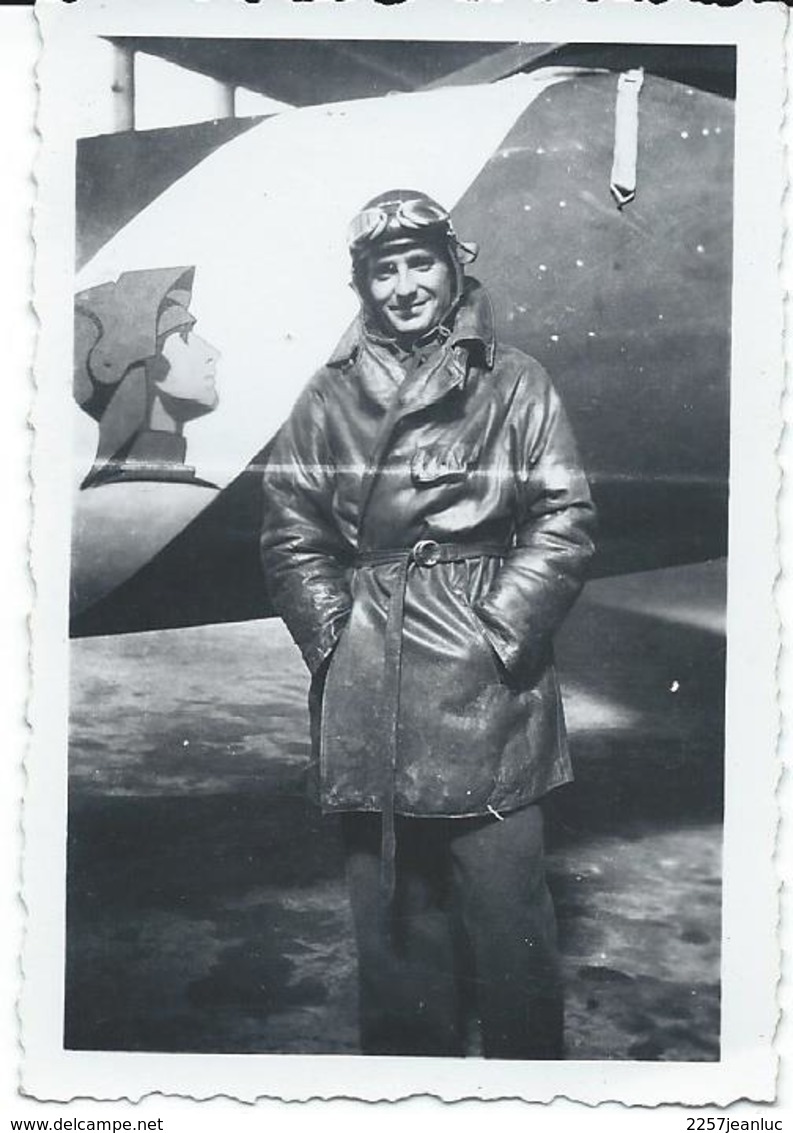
409 311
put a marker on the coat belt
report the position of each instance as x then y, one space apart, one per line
425 553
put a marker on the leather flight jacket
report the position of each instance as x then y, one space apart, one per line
423 538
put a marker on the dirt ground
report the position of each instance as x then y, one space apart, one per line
206 902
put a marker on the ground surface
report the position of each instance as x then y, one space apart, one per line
207 909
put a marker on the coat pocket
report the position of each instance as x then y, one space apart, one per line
431 466
480 636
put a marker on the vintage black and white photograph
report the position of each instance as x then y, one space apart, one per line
399 459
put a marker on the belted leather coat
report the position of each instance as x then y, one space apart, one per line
423 538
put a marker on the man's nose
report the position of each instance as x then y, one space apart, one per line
405 281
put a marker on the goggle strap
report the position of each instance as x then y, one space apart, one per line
466 251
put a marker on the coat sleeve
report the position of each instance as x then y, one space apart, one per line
545 569
303 553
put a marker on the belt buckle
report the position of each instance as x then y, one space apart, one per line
426 552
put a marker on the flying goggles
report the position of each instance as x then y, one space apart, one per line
412 216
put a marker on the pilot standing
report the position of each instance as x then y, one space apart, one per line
427 526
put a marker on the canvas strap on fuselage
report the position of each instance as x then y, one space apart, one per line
626 136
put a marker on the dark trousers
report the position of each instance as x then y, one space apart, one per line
471 927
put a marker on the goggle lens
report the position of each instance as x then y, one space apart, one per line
421 214
367 225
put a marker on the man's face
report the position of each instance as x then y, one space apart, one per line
410 287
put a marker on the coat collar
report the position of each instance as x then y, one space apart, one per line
473 327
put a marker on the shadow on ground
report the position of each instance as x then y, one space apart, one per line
206 904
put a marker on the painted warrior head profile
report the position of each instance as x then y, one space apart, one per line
141 372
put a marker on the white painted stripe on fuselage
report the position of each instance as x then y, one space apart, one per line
263 219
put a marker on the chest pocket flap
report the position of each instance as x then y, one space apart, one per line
443 465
